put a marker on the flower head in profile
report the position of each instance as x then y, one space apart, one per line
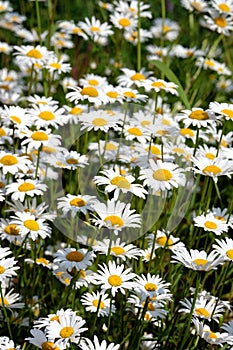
196 117
87 344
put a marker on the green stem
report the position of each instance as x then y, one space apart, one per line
38 20
139 39
4 311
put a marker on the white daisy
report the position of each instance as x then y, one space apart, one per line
87 344
224 248
40 138
95 29
123 21
96 301
162 239
150 286
114 277
90 93
211 224
32 55
13 163
10 300
40 340
196 117
132 77
157 85
221 23
22 188
44 116
70 160
70 258
224 110
75 204
99 120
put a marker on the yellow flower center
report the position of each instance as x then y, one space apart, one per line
228 112
4 301
89 91
199 115
72 161
220 22
154 150
66 332
135 131
110 147
55 318
209 63
200 262
150 287
166 29
201 311
77 30
42 260
230 253
2 132
26 186
75 256
46 115
213 335
210 155
145 123
11 230
114 220
96 302
115 280
93 82
121 182
162 175
8 160
158 84
196 5
15 119
2 269
95 29
211 225
118 250
55 65
129 94
124 22
178 150
163 240
112 94
76 110
214 169
78 202
39 136
48 345
31 225
138 76
187 131
99 121
224 7
34 53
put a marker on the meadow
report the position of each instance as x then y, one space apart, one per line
115 175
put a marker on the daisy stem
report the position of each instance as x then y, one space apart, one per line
109 316
38 161
139 40
220 140
31 80
4 311
163 13
122 129
204 192
187 325
38 20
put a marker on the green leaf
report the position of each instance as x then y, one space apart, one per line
172 77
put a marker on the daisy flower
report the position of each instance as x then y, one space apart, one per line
165 240
118 249
40 340
157 85
133 36
67 330
141 134
5 6
224 248
74 112
162 176
7 268
10 300
148 254
223 6
196 117
211 224
115 181
113 94
5 342
220 23
211 337
95 29
32 55
56 65
99 120
16 116
5 48
123 21
82 279
114 277
150 286
93 80
37 138
44 116
132 95
131 8
197 260
70 160
228 327
22 188
75 204
195 5
90 93
115 215
166 28
214 168
41 100
203 308
70 258
87 344
13 163
224 110
154 311
29 225
91 301
131 77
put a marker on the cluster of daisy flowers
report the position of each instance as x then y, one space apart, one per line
114 189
